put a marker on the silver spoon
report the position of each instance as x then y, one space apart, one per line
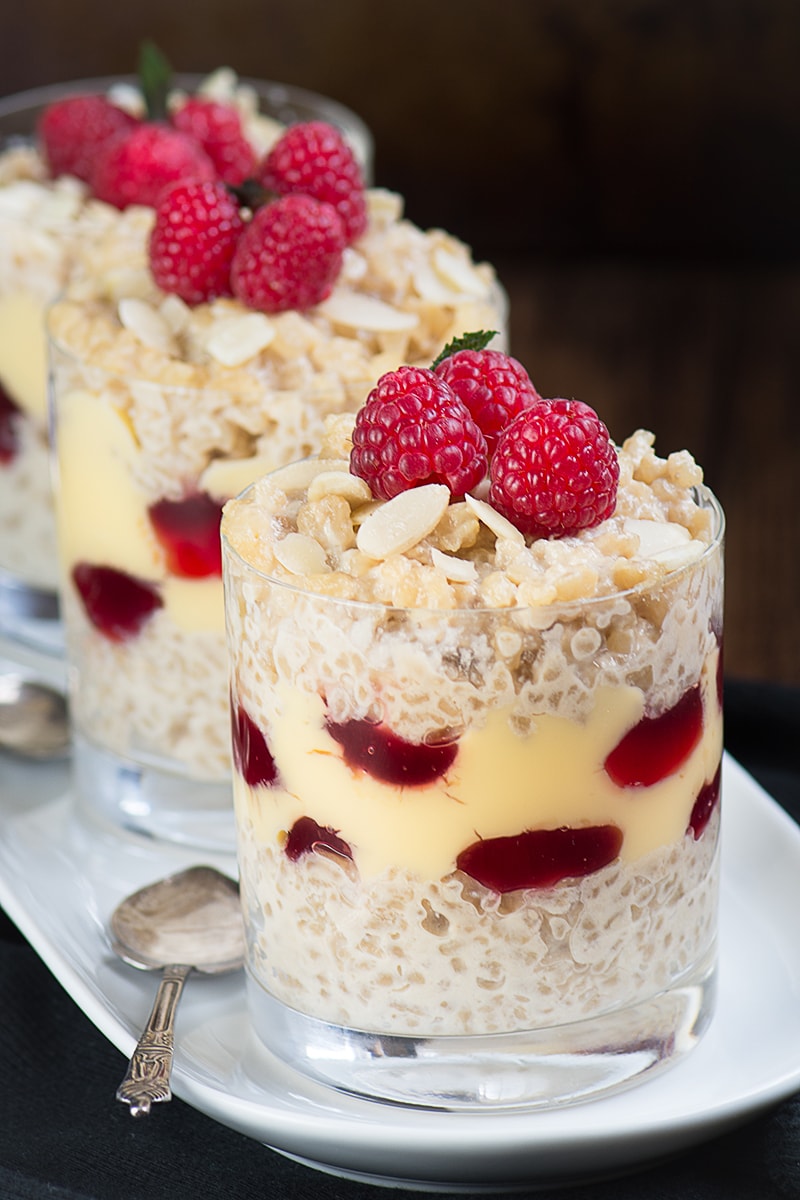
189 921
34 721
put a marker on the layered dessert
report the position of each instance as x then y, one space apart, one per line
43 224
476 695
203 344
61 192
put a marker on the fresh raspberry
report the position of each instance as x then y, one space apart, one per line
555 470
135 167
494 387
412 430
192 243
72 132
218 129
312 157
289 255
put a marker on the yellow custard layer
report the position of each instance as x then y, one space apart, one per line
23 357
97 458
499 785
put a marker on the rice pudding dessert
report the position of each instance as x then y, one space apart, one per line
43 224
168 404
53 210
477 722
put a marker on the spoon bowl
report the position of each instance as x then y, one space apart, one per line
188 921
34 719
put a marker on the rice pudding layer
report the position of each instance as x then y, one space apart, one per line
477 777
165 411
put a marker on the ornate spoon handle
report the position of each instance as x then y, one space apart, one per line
147 1080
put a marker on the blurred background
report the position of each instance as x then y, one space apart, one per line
632 169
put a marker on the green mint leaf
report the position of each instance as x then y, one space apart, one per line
478 340
155 74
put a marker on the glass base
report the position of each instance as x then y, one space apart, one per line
31 616
148 801
531 1069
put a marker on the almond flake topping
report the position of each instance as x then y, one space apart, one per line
403 521
226 477
664 542
302 555
457 570
493 520
235 340
365 312
146 324
339 483
458 273
296 476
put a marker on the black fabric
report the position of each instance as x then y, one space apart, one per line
62 1138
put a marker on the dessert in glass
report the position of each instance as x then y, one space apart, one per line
477 731
51 214
205 344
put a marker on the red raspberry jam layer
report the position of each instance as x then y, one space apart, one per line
9 438
117 604
374 749
252 756
188 530
306 835
705 804
539 858
658 746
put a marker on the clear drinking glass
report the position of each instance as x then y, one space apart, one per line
478 847
45 228
161 413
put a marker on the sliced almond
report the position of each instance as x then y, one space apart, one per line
359 515
654 537
219 84
457 570
262 132
383 206
458 273
403 521
226 477
235 340
296 476
500 526
301 555
664 542
680 556
176 313
129 283
146 324
430 286
339 483
128 97
354 311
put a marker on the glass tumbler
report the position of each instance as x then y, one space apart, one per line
46 227
478 847
161 413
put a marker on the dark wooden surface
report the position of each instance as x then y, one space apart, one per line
631 166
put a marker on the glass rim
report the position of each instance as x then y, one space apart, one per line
273 92
705 497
